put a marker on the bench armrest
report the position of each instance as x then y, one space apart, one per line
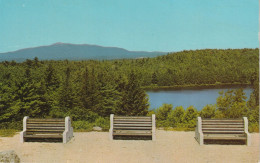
248 140
111 126
153 127
198 131
23 133
68 133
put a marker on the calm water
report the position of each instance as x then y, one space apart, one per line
197 98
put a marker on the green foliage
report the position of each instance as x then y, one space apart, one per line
190 117
232 104
134 100
150 112
208 111
104 123
175 117
163 111
86 90
253 127
7 132
82 126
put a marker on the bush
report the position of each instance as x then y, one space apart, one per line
208 111
175 117
190 117
103 123
82 126
253 127
163 111
7 132
12 125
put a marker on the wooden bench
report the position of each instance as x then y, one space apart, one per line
222 129
46 129
127 126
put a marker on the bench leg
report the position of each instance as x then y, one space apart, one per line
153 128
22 134
201 140
248 139
110 134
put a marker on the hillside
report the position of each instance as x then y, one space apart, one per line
61 51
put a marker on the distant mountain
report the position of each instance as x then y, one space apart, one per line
61 51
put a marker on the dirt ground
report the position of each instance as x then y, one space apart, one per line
170 146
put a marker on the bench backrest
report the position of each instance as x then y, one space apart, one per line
45 126
223 126
132 123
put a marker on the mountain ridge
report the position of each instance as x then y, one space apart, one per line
61 51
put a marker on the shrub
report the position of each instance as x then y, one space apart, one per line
82 126
163 111
7 132
208 111
12 125
190 117
253 127
175 117
103 123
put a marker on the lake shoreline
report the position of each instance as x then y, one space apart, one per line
196 97
196 87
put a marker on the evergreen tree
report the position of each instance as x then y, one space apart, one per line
154 78
134 99
109 101
67 100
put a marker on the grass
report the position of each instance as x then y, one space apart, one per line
7 132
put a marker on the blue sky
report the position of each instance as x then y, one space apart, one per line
149 25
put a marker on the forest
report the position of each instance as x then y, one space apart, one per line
90 90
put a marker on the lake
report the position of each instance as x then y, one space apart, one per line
196 97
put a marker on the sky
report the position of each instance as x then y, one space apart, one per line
138 25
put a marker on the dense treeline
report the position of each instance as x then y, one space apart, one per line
91 90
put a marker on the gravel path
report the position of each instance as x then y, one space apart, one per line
170 146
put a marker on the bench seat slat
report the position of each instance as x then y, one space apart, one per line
223 132
43 136
133 120
45 120
224 129
224 123
222 120
222 126
132 132
136 128
51 126
44 130
45 127
133 124
132 117
225 138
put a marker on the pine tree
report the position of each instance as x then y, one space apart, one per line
134 99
